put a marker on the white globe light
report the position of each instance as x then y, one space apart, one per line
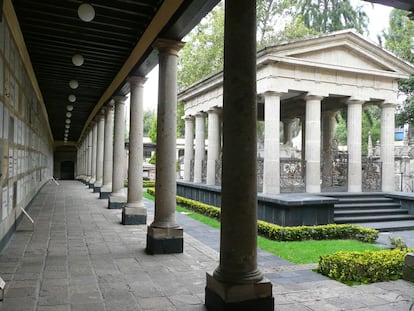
67 126
69 107
67 121
68 114
72 98
66 131
77 60
73 84
86 12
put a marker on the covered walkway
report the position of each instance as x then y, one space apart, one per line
80 257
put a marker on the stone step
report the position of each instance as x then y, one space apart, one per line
358 200
370 212
369 219
376 205
387 226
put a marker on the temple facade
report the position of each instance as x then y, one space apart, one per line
308 82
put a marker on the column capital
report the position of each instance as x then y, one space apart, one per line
214 109
354 101
188 117
168 46
101 113
120 99
314 97
110 103
273 93
200 114
388 105
136 81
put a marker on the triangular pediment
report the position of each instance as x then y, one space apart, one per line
342 56
344 49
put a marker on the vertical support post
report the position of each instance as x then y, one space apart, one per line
189 146
200 148
214 140
108 152
237 284
387 145
100 151
354 145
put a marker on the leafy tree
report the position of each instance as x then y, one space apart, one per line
400 40
294 30
331 15
152 133
149 116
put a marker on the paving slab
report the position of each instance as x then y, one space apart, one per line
81 258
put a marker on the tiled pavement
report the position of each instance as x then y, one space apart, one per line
80 257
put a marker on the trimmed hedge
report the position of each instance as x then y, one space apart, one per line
148 183
364 267
278 233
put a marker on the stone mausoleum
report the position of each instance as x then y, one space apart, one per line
309 80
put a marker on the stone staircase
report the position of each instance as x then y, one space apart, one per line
372 210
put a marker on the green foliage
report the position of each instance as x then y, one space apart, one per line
331 15
148 183
364 267
278 233
296 29
180 121
149 117
152 133
153 159
323 232
399 39
397 242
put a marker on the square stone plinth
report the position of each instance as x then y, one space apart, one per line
116 201
165 240
227 296
408 268
134 215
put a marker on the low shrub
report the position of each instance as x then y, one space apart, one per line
363 267
278 233
148 183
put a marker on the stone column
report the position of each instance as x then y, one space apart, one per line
313 144
100 151
271 165
354 135
199 146
164 234
237 284
189 146
135 212
94 149
117 197
89 174
214 144
106 188
387 145
328 126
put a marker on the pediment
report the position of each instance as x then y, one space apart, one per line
343 56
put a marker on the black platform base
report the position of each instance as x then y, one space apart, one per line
164 246
104 195
134 219
96 189
216 303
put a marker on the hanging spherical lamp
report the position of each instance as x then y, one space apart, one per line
86 12
72 98
69 107
77 60
73 84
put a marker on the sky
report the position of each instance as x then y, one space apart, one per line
378 21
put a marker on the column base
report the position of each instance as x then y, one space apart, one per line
116 201
105 192
165 240
134 215
225 296
96 189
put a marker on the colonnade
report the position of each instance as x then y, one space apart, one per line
318 124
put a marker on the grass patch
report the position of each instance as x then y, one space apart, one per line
299 252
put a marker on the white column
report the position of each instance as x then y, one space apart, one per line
90 155
328 127
214 144
100 151
189 146
287 131
134 212
118 165
271 165
237 283
313 144
108 152
164 234
354 145
94 150
387 145
199 146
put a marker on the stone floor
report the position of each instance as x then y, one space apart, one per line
79 257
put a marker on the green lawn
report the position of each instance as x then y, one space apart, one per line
301 252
